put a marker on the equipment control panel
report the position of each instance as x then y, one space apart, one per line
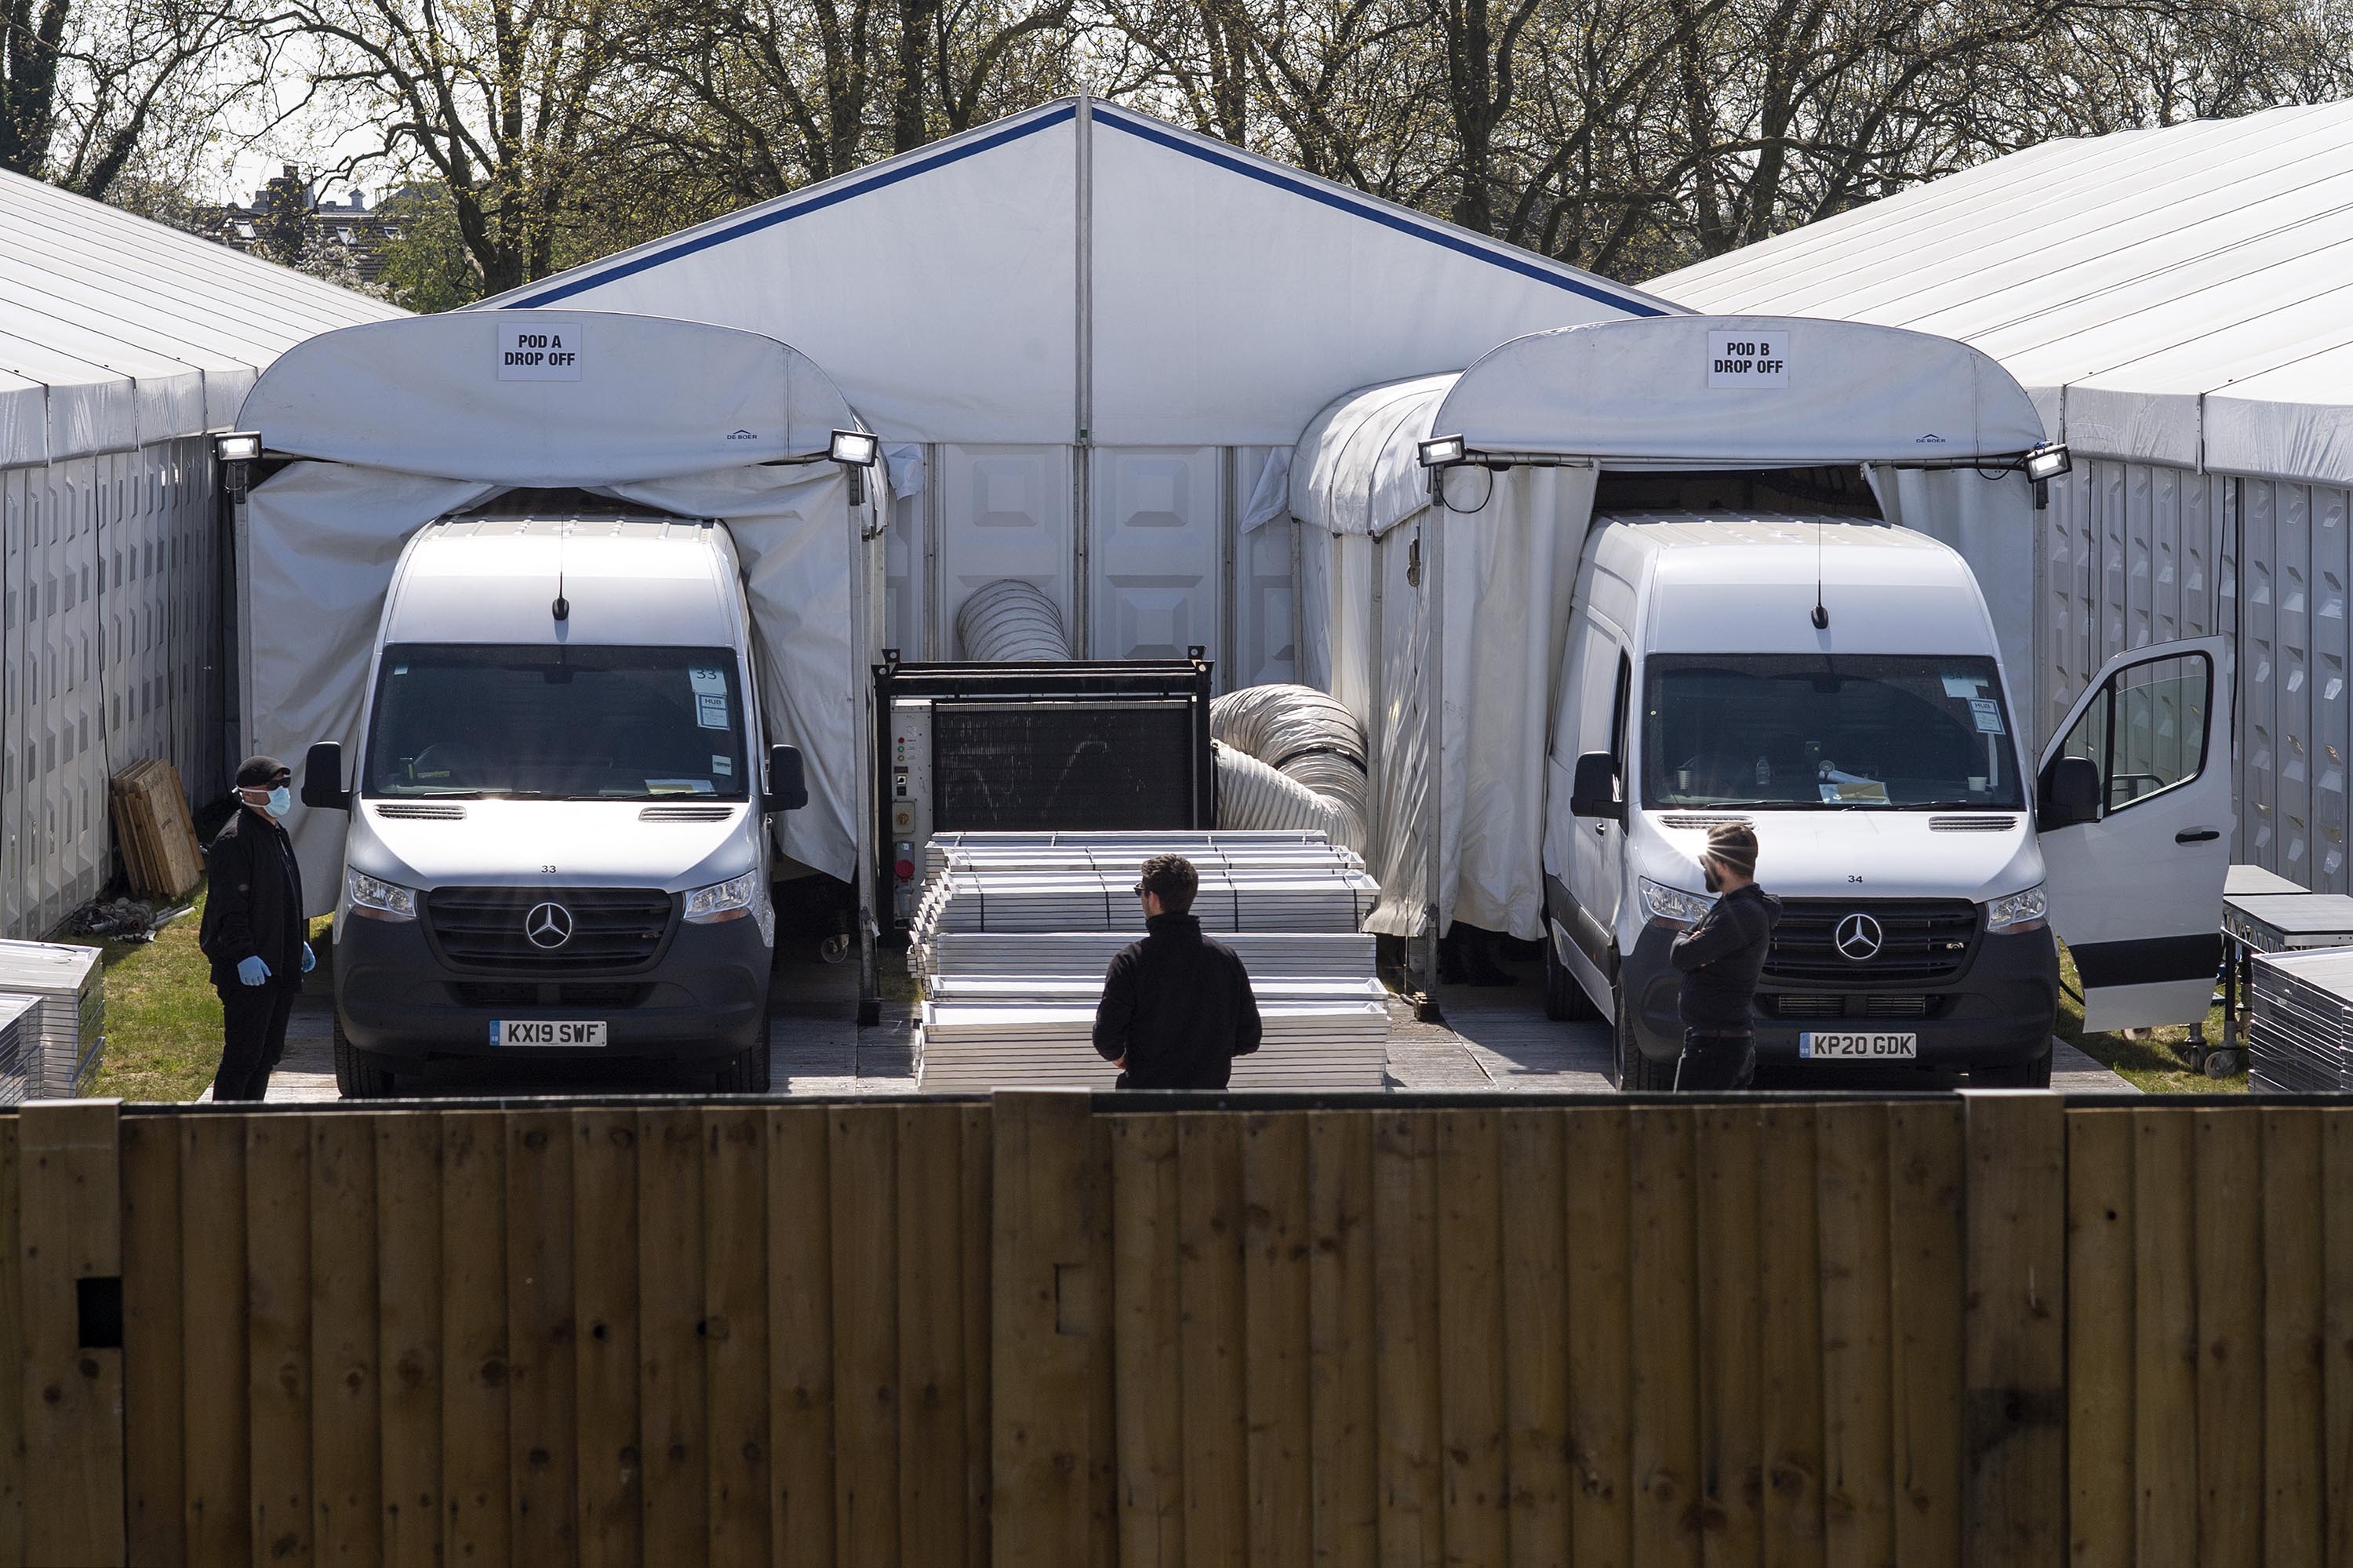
908 808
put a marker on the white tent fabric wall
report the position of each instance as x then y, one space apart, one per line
123 343
2176 303
1123 323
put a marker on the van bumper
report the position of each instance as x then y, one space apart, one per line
1998 1011
704 998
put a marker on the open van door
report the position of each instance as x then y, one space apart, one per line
2133 803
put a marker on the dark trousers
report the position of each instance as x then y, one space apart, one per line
1716 1062
253 1030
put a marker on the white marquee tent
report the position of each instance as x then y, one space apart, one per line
2179 304
121 344
1091 339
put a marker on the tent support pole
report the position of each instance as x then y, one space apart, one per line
1434 791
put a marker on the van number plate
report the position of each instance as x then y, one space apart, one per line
1859 1047
544 1032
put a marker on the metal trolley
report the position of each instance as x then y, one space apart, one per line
2263 913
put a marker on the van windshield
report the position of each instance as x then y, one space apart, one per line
563 722
1826 732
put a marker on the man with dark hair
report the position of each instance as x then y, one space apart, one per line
1177 1007
253 931
1720 959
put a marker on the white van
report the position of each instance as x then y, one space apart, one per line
1835 682
559 839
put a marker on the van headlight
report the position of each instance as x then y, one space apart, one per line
1674 906
379 900
730 900
2017 913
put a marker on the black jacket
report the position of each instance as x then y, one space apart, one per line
1721 957
1179 1006
253 906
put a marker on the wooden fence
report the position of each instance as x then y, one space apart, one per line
1972 1329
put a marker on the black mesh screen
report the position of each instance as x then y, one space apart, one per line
1033 768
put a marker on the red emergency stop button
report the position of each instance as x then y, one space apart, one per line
906 870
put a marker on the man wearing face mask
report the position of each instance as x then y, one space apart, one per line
254 929
1720 959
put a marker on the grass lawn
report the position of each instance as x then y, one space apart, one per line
163 1021
2152 1063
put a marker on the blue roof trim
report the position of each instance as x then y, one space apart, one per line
1316 190
842 192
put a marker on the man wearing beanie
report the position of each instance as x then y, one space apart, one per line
253 928
1720 959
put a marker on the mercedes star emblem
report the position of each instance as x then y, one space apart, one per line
1859 937
549 926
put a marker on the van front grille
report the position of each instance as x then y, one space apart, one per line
1918 939
610 929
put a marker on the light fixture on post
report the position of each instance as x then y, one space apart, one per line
2043 464
855 451
235 451
1438 454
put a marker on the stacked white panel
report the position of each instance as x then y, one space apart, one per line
70 983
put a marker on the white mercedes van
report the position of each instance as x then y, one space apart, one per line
1834 682
558 840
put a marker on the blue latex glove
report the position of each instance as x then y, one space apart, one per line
252 972
309 958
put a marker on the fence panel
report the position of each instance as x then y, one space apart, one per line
1932 1331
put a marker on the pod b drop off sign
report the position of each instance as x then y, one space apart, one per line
549 348
1748 359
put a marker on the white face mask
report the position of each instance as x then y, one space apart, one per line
282 800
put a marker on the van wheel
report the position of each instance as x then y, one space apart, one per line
2034 1074
746 1072
1637 1073
1565 999
357 1076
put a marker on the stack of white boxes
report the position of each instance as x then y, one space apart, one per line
1013 934
65 1033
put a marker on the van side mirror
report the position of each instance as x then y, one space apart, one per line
322 777
1593 791
2071 794
788 784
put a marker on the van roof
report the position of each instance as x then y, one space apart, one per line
631 580
1723 581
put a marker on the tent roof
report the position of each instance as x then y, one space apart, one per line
2135 283
642 398
1658 393
119 331
1219 296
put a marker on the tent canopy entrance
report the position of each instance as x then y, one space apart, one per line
1938 429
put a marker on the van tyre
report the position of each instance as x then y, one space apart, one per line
746 1073
1565 999
357 1075
2034 1074
1637 1073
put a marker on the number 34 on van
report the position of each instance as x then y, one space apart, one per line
1746 359
550 349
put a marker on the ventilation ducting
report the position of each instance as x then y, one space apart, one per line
1290 756
1009 622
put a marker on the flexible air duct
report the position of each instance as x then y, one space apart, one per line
1305 736
1012 621
1252 795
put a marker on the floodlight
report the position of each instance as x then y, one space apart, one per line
1439 451
855 449
238 446
2045 464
